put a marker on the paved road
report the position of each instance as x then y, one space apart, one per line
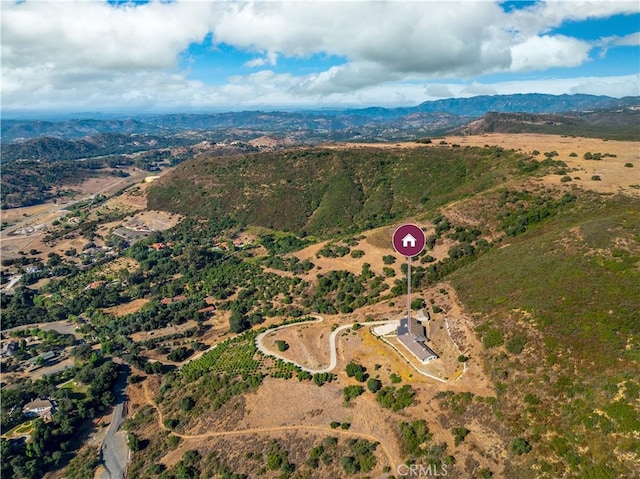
115 452
333 356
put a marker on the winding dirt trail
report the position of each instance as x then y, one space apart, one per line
259 430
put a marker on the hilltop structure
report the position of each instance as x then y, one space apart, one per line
413 334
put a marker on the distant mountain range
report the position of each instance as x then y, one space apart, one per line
618 124
368 124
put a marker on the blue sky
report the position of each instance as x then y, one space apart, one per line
195 55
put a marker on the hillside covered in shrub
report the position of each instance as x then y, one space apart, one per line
317 190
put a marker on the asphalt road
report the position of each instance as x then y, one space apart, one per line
115 452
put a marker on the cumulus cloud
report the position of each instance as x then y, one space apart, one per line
438 91
270 59
94 34
84 53
72 52
478 89
541 53
617 87
381 40
546 15
631 40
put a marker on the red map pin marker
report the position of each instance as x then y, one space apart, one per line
409 240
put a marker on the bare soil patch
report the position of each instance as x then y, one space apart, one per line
124 262
111 184
126 308
154 220
158 333
308 343
18 214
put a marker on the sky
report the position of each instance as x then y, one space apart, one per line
197 55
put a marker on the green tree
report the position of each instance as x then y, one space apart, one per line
351 392
133 442
388 259
459 434
417 303
187 403
374 385
516 344
519 446
356 371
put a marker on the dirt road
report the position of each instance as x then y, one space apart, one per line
266 430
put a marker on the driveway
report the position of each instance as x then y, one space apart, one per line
333 356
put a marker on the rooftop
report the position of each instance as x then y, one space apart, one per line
412 335
38 405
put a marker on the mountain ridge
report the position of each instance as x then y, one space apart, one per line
461 109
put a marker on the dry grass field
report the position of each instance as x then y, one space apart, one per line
615 177
126 308
315 408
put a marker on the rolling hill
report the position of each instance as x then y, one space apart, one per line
619 124
329 191
553 299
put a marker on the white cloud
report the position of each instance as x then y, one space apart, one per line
88 54
617 86
95 35
631 40
270 59
548 14
256 62
540 53
438 91
478 89
381 40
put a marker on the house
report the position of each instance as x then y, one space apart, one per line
9 348
175 299
95 285
207 309
413 335
43 408
44 357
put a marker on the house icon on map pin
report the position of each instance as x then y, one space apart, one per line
409 241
